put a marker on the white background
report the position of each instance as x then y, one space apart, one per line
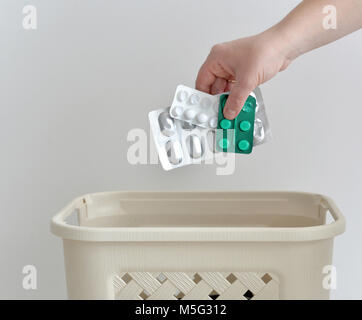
72 89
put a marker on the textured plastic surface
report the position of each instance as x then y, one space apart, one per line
199 285
236 135
179 143
211 232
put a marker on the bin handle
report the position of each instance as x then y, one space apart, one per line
77 204
328 204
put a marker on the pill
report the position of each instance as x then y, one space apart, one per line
194 146
205 103
189 114
166 124
174 152
177 111
201 117
213 122
224 143
225 124
247 107
243 145
245 125
182 96
211 139
194 99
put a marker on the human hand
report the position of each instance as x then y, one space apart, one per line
241 65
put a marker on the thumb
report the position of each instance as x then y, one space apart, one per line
238 95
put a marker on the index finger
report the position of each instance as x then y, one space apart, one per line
205 79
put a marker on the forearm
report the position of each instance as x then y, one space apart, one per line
252 61
304 28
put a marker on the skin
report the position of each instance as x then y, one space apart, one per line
241 65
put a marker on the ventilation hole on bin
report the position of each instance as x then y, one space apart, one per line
126 278
248 295
231 278
266 278
144 295
196 278
161 278
213 295
179 295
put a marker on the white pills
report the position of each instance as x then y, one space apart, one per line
195 107
177 111
194 99
213 122
182 96
201 117
189 114
178 142
185 131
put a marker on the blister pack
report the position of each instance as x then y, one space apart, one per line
262 132
196 107
186 132
202 109
180 143
236 135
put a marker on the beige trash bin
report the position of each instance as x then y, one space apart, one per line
198 245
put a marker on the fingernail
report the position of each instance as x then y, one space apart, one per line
229 114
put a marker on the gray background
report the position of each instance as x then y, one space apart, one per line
72 89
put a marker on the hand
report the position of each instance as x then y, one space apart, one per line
240 66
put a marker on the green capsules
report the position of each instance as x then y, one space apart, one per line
236 135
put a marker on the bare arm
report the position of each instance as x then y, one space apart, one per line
243 64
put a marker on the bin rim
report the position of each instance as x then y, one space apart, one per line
60 228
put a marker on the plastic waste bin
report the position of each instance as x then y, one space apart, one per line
198 245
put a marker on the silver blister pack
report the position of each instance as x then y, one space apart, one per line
180 143
262 132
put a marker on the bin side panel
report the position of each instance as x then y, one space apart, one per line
269 270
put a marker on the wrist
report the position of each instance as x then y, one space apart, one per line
277 40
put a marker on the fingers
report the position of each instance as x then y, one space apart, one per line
218 86
205 79
229 86
236 99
